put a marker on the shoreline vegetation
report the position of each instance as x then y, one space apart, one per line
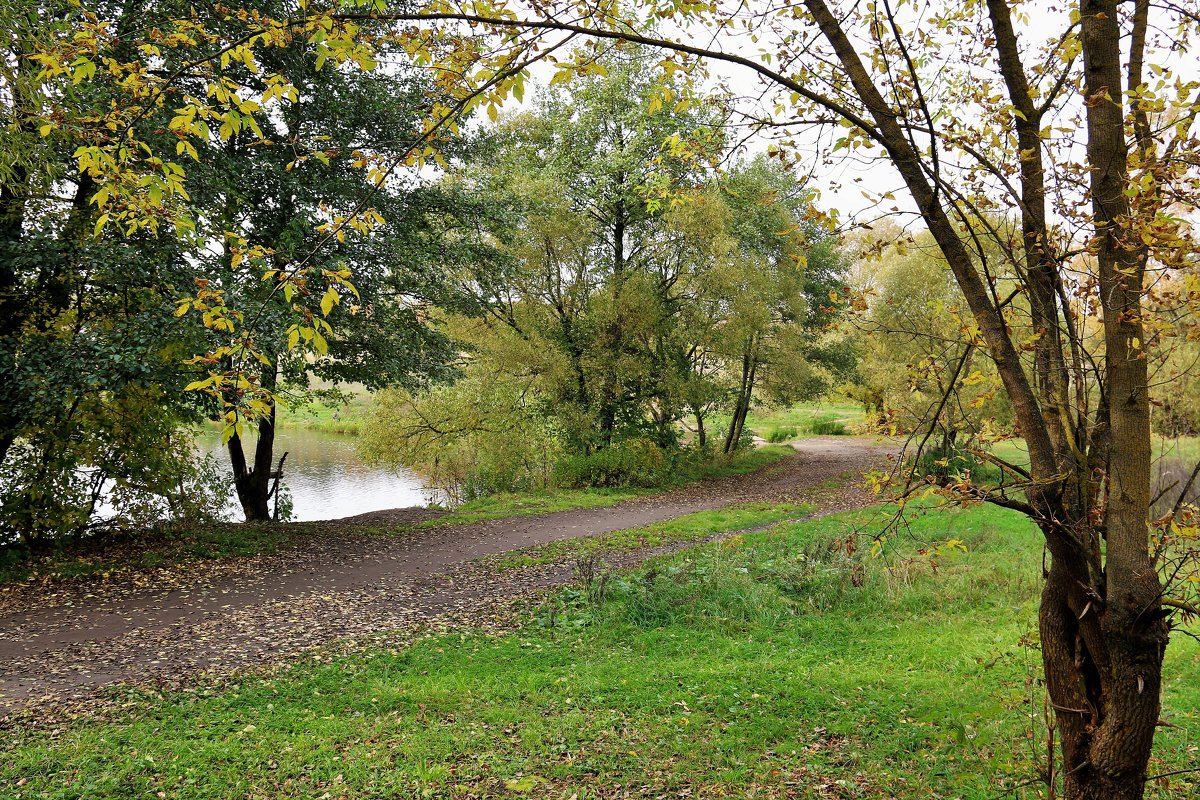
771 423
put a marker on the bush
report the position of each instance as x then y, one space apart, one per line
937 461
780 435
476 437
632 462
827 425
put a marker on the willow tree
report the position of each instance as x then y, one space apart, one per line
1069 120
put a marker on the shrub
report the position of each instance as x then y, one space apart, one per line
476 437
707 589
632 462
937 461
827 425
780 435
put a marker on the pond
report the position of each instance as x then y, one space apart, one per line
327 479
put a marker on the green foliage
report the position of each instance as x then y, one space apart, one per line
482 435
91 388
638 284
628 462
954 463
827 425
209 299
784 434
916 345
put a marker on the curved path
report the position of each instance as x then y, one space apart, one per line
62 646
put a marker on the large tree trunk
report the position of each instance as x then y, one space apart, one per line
1103 667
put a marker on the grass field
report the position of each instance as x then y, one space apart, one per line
776 664
328 417
796 422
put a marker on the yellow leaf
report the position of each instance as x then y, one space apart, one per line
974 378
328 301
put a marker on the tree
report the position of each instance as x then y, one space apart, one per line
90 379
290 189
598 266
918 372
773 290
271 187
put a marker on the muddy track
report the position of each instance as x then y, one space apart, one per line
62 645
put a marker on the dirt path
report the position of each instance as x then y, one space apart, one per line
61 645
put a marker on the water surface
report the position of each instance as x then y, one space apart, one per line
326 478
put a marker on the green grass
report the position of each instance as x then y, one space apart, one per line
688 528
775 664
329 417
794 422
119 555
504 505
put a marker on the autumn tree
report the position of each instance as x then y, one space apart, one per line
598 261
772 292
90 353
271 187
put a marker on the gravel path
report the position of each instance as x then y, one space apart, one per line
60 644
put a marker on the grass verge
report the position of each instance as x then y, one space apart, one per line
778 664
688 528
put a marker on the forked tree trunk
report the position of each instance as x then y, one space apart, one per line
1103 668
253 481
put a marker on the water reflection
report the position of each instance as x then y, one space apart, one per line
327 479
